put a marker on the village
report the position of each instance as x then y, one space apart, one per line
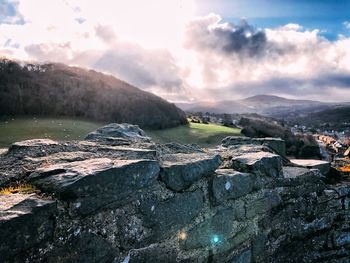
334 145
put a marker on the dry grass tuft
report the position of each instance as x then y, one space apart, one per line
345 169
18 189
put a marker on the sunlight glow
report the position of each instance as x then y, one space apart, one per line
182 235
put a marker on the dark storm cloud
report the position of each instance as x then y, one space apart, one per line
208 34
340 80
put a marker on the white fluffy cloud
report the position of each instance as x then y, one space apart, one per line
347 24
285 61
162 47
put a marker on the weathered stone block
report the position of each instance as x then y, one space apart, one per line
276 144
125 131
95 183
215 231
31 144
294 176
35 147
179 171
259 163
229 184
342 239
262 205
25 221
322 166
235 140
167 217
86 247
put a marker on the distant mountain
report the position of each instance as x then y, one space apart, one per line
269 101
267 105
216 107
60 90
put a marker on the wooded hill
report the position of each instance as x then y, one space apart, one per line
60 90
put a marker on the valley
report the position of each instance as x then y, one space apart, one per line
24 128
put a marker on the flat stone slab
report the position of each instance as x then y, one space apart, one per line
25 221
32 143
112 131
61 157
96 177
294 176
236 140
276 144
230 184
179 171
35 147
322 166
259 162
128 152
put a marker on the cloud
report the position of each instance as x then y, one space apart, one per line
46 52
106 33
347 24
288 60
209 34
144 68
9 13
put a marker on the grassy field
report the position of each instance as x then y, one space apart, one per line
19 129
12 130
205 135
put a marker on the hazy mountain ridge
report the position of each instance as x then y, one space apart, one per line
60 90
268 105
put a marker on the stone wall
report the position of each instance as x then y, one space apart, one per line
119 197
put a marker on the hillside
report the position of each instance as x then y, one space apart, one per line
60 90
335 117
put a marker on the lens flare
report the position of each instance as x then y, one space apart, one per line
182 235
215 239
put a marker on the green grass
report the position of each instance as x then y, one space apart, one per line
19 129
205 135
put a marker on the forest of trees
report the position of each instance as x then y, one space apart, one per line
60 90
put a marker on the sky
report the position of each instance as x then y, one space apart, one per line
191 50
